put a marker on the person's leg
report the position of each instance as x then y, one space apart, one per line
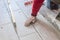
36 6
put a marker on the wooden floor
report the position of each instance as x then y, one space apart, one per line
16 10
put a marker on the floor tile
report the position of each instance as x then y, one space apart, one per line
13 5
4 15
32 36
25 9
7 32
20 20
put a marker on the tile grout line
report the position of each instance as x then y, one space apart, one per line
38 32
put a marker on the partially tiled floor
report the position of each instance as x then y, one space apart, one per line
41 30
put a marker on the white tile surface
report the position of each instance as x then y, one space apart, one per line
13 5
25 9
6 4
4 17
32 36
7 32
20 20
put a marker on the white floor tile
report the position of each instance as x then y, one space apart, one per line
4 16
20 20
14 5
2 7
25 9
6 4
7 32
32 36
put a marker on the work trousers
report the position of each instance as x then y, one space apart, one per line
36 6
